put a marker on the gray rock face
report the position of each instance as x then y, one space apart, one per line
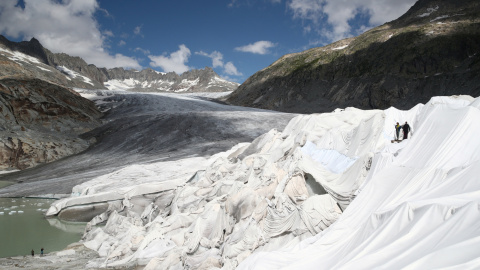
15 61
432 50
71 71
41 122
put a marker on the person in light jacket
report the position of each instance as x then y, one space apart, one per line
397 131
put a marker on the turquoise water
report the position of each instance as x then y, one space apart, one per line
23 227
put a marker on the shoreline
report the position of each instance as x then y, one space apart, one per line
74 256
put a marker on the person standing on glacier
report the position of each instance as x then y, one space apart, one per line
406 130
397 131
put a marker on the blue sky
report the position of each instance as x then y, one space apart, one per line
235 37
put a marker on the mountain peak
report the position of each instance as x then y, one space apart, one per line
32 48
35 42
427 11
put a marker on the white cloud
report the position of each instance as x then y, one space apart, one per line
138 30
306 9
217 61
259 47
217 58
121 43
339 13
62 26
175 62
108 33
230 69
138 49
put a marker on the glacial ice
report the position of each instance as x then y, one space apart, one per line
412 204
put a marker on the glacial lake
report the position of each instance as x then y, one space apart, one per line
23 227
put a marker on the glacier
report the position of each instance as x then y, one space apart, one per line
418 209
330 191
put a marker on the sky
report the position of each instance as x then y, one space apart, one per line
235 37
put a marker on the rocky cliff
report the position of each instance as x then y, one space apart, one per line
433 49
41 122
30 59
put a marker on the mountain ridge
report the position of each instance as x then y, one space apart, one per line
83 75
430 50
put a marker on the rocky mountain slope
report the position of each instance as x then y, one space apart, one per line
433 49
41 122
31 58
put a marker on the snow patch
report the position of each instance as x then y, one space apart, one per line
19 57
186 85
215 81
8 171
128 84
340 48
73 74
429 11
440 18
44 69
447 16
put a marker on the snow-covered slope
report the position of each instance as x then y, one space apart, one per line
269 204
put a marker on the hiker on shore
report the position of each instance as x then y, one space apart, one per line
33 253
406 130
41 252
397 131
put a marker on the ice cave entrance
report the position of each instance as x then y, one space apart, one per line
313 187
23 227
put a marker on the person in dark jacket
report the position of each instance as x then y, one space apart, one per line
406 130
33 253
